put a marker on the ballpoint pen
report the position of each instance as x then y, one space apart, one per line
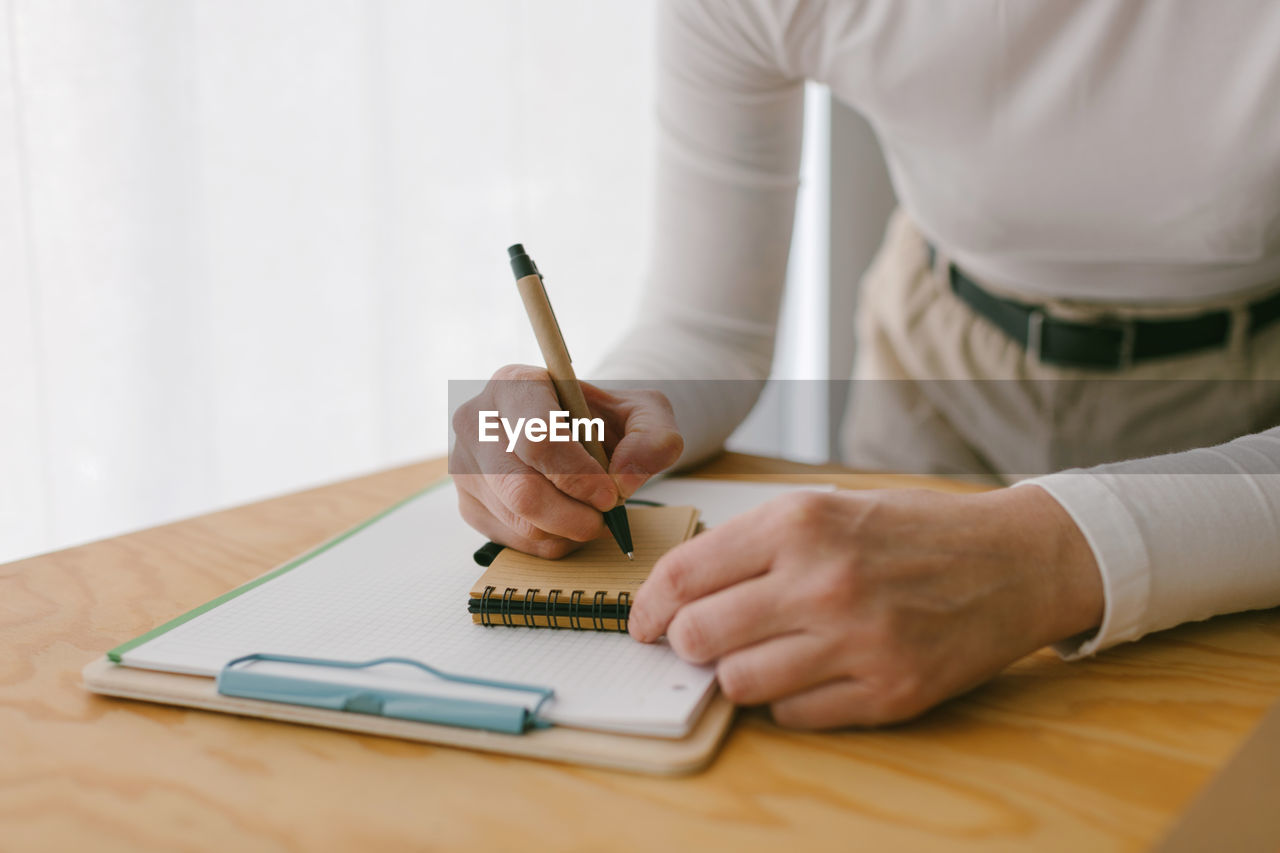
560 367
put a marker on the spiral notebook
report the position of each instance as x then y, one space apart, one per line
591 589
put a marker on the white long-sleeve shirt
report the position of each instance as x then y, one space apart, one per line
1105 150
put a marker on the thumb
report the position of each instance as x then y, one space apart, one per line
650 443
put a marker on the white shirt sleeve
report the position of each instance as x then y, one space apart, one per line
1179 537
729 124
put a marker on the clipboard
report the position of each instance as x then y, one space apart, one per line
631 753
359 711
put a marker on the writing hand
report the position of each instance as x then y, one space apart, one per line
546 498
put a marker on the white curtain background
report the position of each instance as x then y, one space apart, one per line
244 245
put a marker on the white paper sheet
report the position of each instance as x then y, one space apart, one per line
399 588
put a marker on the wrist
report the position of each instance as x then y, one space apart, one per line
1065 581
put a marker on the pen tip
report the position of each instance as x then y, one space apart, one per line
631 555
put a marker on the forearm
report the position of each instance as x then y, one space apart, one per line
726 173
1179 537
711 372
712 384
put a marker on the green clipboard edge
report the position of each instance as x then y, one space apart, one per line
117 654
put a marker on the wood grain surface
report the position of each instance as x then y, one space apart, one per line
1099 754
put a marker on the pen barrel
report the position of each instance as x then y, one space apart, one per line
556 356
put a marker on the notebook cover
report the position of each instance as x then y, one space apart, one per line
590 589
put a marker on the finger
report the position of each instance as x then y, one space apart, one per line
733 618
776 668
607 405
462 465
466 473
594 491
735 551
511 527
567 464
844 702
650 444
502 528
479 517
521 497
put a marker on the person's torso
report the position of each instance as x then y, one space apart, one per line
1093 149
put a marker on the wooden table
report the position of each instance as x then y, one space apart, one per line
1100 754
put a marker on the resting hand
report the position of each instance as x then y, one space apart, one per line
863 608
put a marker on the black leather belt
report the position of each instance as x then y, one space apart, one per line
1106 344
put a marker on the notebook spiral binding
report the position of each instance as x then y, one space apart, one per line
579 611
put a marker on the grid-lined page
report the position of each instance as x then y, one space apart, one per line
398 588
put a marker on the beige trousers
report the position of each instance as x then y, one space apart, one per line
940 390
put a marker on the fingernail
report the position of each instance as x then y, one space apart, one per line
636 627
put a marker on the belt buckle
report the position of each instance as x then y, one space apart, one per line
1035 334
1128 332
1127 327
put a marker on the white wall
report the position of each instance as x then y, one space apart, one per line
244 245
